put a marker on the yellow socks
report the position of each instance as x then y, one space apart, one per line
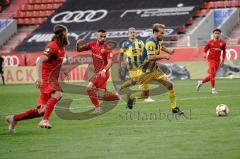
172 98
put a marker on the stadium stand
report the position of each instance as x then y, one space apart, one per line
29 14
39 16
112 18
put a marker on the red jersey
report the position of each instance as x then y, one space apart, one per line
51 68
215 47
100 57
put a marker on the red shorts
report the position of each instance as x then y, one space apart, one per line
46 90
213 66
101 82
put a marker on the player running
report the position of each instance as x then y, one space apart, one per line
150 56
215 47
48 67
133 49
102 62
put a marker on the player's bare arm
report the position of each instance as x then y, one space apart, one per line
206 48
106 68
159 57
40 60
223 55
168 50
80 47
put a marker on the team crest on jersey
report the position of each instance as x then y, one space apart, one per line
221 44
46 51
150 48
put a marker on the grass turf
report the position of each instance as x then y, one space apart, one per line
113 135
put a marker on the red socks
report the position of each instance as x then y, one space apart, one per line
49 107
210 78
110 97
206 79
29 114
93 96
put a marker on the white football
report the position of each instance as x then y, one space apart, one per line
222 110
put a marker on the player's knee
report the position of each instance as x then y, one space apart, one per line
89 88
170 86
57 95
212 76
133 81
41 110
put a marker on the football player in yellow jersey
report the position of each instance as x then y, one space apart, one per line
132 50
150 56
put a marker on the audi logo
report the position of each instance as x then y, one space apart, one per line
230 52
11 60
79 16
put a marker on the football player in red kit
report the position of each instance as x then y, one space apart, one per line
102 61
214 47
48 67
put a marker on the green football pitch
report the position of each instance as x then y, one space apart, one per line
125 134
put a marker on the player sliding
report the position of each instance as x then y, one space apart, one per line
215 47
48 68
150 69
133 48
102 62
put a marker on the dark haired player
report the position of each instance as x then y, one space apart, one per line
102 61
215 47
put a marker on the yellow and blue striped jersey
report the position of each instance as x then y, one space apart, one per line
133 51
152 47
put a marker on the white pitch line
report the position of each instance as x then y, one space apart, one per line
163 100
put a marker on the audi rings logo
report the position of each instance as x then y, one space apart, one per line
231 54
79 16
11 60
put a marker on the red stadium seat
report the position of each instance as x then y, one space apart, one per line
19 21
49 7
238 4
30 7
30 1
39 1
232 3
56 5
28 14
36 7
220 4
23 7
211 5
33 21
40 13
39 21
35 14
21 14
15 15
27 21
47 13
